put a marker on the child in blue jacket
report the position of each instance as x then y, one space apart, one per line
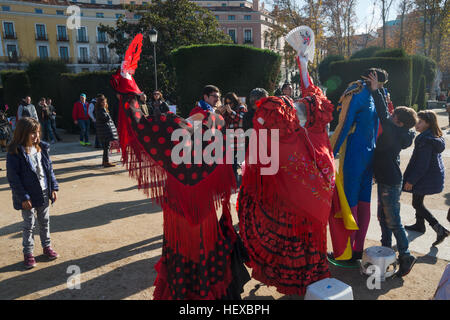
33 183
424 174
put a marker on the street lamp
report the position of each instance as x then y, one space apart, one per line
153 35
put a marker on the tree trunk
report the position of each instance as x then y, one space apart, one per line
383 14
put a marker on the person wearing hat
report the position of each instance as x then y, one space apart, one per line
80 115
354 140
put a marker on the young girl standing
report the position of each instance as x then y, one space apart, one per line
424 174
33 183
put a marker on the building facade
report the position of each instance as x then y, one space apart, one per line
39 29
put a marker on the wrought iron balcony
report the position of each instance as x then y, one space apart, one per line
41 37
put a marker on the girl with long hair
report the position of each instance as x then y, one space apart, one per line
424 174
33 183
105 128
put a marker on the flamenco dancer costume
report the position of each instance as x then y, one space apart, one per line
201 257
283 217
354 139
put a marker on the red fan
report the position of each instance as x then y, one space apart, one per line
132 56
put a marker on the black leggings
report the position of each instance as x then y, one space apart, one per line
105 151
422 213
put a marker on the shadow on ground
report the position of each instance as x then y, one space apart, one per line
91 217
119 283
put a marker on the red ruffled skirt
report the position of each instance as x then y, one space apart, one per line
278 256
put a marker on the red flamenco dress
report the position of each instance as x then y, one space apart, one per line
283 217
201 256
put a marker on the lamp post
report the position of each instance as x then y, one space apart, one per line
153 35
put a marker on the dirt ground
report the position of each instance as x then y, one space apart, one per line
107 229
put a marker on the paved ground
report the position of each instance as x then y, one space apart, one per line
104 227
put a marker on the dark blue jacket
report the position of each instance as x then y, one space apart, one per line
386 161
23 179
425 170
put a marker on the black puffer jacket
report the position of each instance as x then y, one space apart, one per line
106 130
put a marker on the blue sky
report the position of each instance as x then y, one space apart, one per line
364 9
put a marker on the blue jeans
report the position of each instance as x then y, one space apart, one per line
84 130
389 217
42 215
47 128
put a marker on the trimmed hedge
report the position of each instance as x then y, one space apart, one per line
90 83
16 85
366 52
230 67
324 66
393 53
344 72
424 71
44 78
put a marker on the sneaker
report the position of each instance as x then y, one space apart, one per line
29 261
406 264
50 253
87 143
82 143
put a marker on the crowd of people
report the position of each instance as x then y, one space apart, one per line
44 112
283 217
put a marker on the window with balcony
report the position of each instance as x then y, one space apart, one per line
11 51
232 34
92 1
64 53
247 17
110 2
99 15
36 10
102 55
248 36
62 33
101 36
43 52
6 8
82 35
41 34
84 56
231 17
60 12
8 30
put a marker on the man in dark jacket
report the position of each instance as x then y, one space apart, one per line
386 166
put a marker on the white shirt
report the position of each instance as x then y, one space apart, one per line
36 158
91 111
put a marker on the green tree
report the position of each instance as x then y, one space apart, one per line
179 23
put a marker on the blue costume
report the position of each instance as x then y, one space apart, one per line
354 139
